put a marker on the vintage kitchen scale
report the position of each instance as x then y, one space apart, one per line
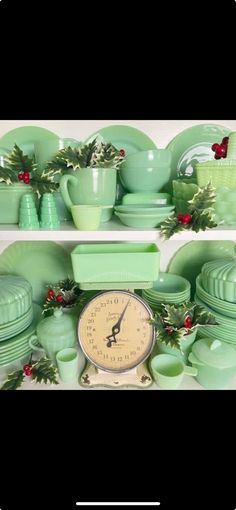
116 337
114 328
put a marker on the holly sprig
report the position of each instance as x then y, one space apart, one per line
104 155
63 294
174 322
20 167
200 216
40 371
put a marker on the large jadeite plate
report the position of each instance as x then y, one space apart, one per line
189 259
25 137
124 137
191 146
40 262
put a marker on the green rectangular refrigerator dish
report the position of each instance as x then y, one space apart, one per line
115 263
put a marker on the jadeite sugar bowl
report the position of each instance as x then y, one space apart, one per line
215 361
55 333
218 278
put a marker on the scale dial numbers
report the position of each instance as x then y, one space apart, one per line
112 348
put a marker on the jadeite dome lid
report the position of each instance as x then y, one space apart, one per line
57 325
214 353
15 297
221 269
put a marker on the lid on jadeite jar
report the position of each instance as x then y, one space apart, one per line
214 353
221 269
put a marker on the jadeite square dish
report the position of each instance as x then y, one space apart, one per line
121 262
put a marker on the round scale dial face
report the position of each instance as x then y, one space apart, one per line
114 331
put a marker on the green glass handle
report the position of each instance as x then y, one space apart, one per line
190 370
64 189
33 346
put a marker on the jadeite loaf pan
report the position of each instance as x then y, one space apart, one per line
126 262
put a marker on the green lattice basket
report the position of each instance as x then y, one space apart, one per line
220 173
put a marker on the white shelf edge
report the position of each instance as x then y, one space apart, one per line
111 231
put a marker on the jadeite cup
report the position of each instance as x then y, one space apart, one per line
67 363
168 371
86 217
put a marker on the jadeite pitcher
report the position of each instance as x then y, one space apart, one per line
89 186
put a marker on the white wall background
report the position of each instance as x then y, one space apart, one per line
160 131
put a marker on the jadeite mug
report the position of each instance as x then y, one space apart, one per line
89 186
45 151
168 371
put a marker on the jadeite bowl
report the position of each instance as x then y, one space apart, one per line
146 178
146 198
141 220
169 284
155 158
144 209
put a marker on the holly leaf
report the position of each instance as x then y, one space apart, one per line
175 315
201 317
203 199
14 381
171 226
41 183
85 153
44 371
201 220
107 156
158 322
18 161
173 338
8 175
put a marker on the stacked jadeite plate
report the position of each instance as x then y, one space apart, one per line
169 288
226 328
13 328
218 305
18 346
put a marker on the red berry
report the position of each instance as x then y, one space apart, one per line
186 219
225 140
51 294
221 151
21 176
188 322
28 369
215 146
26 175
218 157
59 298
180 216
26 180
122 153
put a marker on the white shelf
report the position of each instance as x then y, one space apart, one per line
188 383
111 231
